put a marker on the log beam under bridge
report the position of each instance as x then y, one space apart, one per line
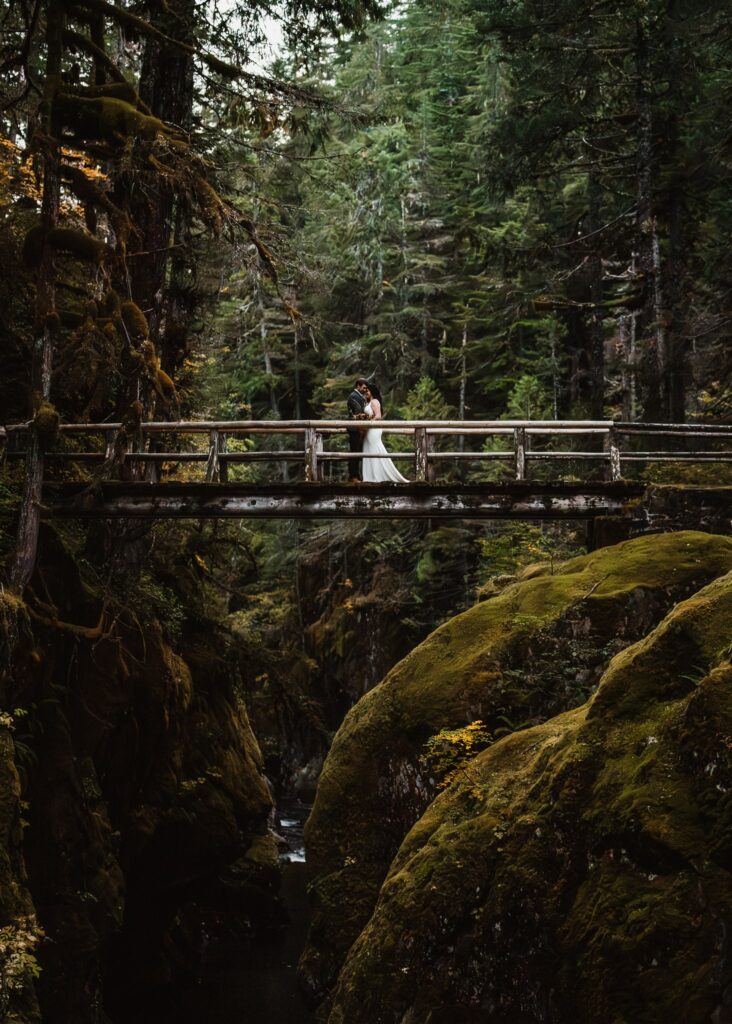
512 500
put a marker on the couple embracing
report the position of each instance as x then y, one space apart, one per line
365 403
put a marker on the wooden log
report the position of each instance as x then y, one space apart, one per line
152 468
677 457
431 469
696 434
471 456
299 426
212 463
520 500
566 456
313 448
347 456
420 453
403 426
298 456
519 452
610 447
282 456
223 464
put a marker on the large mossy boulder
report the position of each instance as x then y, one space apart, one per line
580 870
532 651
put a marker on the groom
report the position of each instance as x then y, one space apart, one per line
356 405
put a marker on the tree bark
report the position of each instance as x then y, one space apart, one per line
166 86
650 320
595 331
42 354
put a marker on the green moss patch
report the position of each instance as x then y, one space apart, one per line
528 653
583 871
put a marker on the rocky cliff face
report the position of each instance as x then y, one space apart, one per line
582 870
145 803
365 594
523 656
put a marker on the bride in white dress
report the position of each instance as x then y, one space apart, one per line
377 471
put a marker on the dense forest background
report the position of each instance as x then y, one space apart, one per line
231 210
494 210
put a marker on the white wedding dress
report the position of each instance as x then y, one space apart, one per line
377 471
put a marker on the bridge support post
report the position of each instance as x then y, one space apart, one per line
519 452
213 465
610 442
223 464
423 443
313 447
136 445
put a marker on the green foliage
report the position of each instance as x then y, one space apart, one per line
446 754
18 964
425 402
510 549
528 400
150 599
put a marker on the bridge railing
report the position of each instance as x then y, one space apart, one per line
610 446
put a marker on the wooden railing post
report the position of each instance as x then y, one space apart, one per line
152 470
213 465
223 464
519 452
610 443
420 452
137 469
313 447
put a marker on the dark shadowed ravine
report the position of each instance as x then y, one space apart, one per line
249 982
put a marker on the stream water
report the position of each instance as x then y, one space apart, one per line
252 982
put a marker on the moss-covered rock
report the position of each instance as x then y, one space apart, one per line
531 651
19 931
580 870
143 784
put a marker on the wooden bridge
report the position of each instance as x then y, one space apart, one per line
203 469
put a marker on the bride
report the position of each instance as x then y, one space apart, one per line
377 471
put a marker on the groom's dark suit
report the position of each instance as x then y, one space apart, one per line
356 405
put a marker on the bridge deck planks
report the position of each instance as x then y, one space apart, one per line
512 500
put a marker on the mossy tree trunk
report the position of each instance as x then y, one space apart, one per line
42 354
166 86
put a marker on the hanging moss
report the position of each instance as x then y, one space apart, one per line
111 90
134 320
150 356
109 304
111 120
209 202
132 363
161 382
91 194
123 228
78 244
165 388
46 420
133 417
